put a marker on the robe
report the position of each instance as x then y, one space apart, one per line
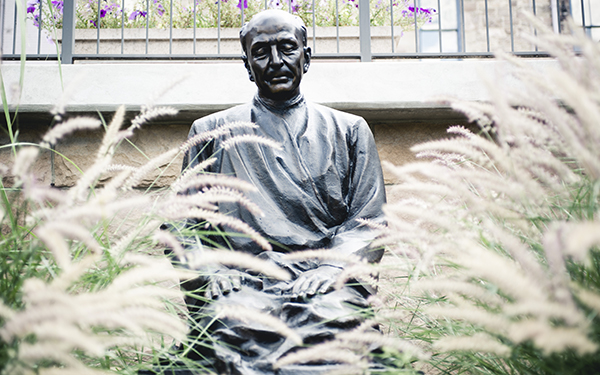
311 192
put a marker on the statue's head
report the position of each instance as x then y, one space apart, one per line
275 53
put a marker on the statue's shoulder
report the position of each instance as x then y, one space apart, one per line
237 113
340 118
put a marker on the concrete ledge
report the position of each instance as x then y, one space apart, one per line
383 92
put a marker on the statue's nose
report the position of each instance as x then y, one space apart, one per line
275 56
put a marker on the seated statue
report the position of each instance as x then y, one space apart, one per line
312 192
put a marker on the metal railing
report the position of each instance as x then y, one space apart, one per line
459 29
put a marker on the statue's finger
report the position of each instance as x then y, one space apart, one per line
326 287
225 285
313 285
215 290
236 282
299 287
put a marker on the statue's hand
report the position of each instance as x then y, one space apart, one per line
223 281
319 280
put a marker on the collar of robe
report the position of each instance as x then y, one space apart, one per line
280 105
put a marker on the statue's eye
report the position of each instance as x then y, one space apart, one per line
287 47
259 52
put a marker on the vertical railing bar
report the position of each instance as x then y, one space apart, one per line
534 28
314 25
68 33
194 27
439 24
487 26
392 27
147 24
39 41
560 13
98 30
171 29
364 24
266 6
462 23
242 9
583 17
3 16
219 27
122 26
512 35
14 44
459 27
416 30
337 26
290 6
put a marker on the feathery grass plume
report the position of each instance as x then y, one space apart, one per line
147 114
110 137
324 255
64 321
169 240
208 198
204 180
252 138
246 315
216 218
25 158
362 272
505 225
196 260
352 348
153 164
67 127
88 180
83 294
368 340
219 131
192 172
333 352
479 342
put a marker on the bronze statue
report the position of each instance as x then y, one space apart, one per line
312 191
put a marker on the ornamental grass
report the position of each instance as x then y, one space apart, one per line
496 234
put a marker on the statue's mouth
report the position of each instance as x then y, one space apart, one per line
280 79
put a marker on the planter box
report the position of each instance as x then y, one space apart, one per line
133 41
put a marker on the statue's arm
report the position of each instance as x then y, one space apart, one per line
365 200
366 197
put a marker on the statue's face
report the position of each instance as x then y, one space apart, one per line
277 58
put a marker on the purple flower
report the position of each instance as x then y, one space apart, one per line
102 13
32 6
245 4
58 4
137 13
160 9
422 10
275 4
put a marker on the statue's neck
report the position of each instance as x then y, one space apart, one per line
280 104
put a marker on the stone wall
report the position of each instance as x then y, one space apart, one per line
77 152
397 98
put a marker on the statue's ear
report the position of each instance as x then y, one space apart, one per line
307 54
245 59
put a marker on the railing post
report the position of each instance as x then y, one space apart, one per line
68 32
364 24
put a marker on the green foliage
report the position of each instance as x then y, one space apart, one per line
205 13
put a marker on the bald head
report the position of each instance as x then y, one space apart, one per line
272 17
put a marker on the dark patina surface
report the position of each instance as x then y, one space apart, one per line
311 192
